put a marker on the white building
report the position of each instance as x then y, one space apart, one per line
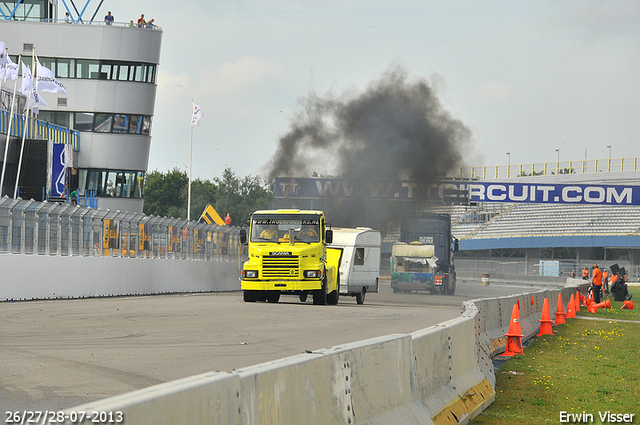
110 73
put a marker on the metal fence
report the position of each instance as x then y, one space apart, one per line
537 268
550 168
43 228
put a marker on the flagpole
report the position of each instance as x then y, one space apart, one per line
26 122
189 195
6 146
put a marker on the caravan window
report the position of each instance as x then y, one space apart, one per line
359 259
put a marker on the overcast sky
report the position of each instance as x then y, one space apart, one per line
524 76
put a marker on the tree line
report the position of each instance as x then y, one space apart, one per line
166 195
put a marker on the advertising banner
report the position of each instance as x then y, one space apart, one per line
592 194
60 161
458 191
407 190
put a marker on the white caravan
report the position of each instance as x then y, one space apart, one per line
359 260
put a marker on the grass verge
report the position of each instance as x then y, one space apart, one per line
586 367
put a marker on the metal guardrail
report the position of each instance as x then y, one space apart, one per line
550 168
44 228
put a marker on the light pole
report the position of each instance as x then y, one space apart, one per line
509 166
558 161
609 164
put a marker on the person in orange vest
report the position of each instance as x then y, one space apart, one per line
585 273
597 283
605 281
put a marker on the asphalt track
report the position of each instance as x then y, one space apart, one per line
61 353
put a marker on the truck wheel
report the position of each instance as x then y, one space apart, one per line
451 289
303 296
273 297
249 296
320 296
360 296
333 297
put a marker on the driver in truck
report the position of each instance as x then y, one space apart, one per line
271 233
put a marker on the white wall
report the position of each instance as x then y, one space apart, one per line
27 277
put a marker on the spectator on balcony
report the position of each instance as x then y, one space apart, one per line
108 19
141 22
150 24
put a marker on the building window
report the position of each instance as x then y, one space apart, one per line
146 125
103 123
83 121
111 183
91 69
65 68
121 123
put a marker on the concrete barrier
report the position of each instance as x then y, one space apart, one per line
442 374
29 277
209 398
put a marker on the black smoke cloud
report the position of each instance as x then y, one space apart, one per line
396 129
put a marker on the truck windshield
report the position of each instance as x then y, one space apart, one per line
277 229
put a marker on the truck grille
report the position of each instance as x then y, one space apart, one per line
275 266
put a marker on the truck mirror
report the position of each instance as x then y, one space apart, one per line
243 236
456 245
329 236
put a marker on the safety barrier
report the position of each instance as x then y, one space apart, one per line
37 277
50 250
31 227
439 375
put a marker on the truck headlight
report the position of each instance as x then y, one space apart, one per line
252 274
311 274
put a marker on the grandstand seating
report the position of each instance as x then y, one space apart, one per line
554 220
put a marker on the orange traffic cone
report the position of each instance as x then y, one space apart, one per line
592 308
583 299
576 301
627 305
532 302
571 309
604 304
514 336
560 312
545 320
590 299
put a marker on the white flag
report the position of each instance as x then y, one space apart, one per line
46 81
11 69
197 114
27 88
27 80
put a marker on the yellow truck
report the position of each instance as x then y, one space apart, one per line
287 253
